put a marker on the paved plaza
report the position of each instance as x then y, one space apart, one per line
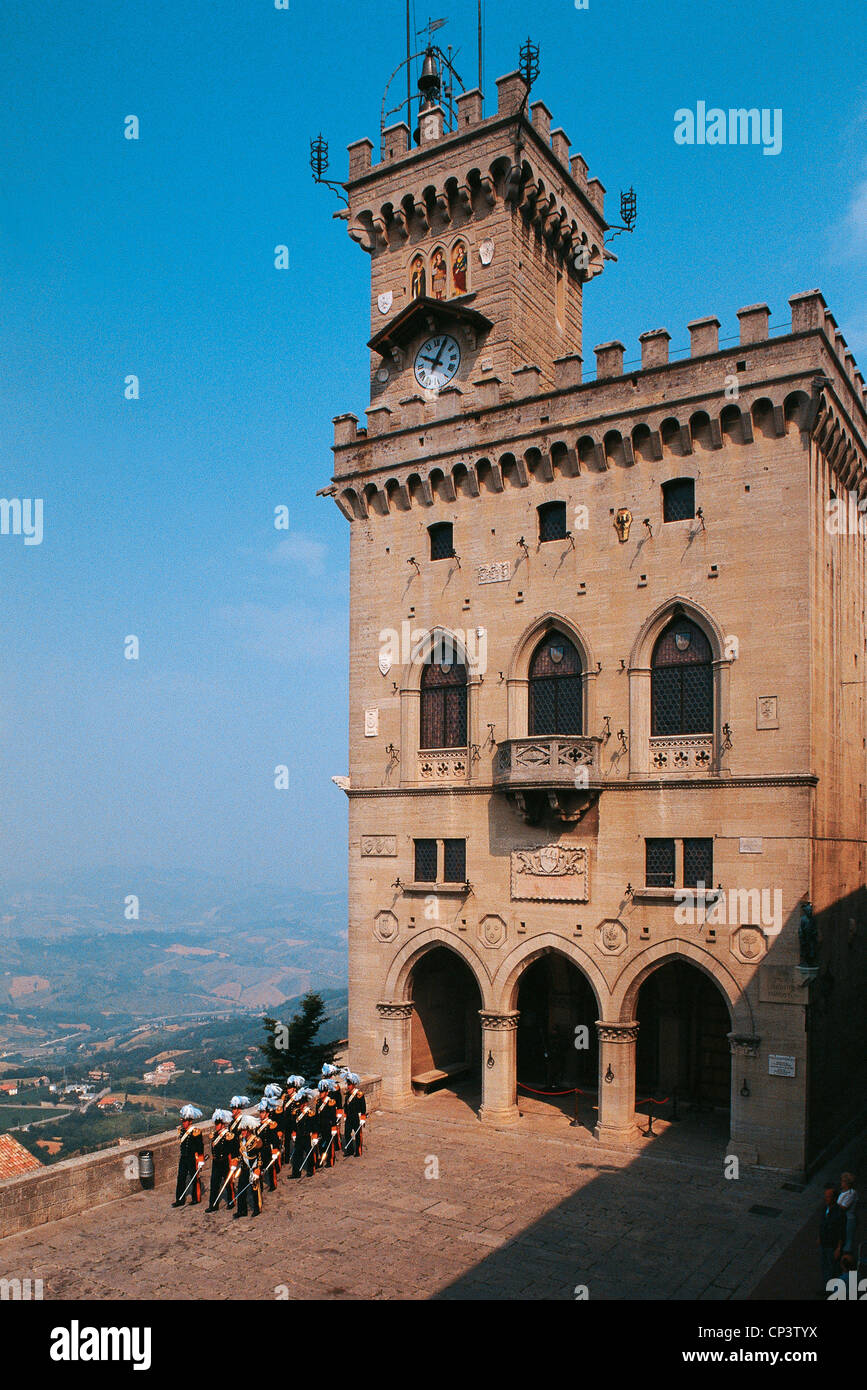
530 1213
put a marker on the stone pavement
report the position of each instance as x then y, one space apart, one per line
513 1214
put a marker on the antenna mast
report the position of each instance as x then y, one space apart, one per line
481 63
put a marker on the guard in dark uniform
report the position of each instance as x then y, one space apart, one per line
327 1117
191 1157
221 1184
306 1139
269 1151
250 1169
355 1109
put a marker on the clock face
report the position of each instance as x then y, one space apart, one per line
436 361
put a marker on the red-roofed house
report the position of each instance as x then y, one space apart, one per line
15 1159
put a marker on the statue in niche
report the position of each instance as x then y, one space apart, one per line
808 935
418 283
459 268
438 275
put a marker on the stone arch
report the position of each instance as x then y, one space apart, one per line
402 964
504 989
671 437
661 616
700 429
762 412
795 409
422 649
533 634
624 993
564 461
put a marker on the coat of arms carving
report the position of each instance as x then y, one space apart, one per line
550 873
385 301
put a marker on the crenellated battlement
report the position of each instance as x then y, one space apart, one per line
759 386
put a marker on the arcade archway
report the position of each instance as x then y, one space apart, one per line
446 1033
557 1045
683 1044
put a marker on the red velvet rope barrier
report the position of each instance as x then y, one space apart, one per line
575 1090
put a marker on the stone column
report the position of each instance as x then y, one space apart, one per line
745 1072
395 1019
499 1068
616 1124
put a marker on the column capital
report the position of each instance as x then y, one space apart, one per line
499 1022
617 1032
395 1008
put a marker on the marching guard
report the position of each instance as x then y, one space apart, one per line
327 1117
306 1137
191 1157
223 1148
355 1109
250 1170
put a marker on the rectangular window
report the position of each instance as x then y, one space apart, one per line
425 861
454 861
659 863
552 521
697 863
678 499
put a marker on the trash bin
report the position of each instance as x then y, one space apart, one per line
146 1168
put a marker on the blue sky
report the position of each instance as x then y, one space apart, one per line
155 257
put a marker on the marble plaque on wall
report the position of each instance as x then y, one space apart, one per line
553 873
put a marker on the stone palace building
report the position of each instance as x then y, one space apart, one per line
607 666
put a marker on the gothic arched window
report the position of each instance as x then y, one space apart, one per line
555 687
443 702
682 681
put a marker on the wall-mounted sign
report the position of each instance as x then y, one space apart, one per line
750 845
781 1066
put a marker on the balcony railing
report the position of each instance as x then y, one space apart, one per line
551 761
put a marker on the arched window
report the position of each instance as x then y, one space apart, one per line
555 687
443 699
417 278
682 681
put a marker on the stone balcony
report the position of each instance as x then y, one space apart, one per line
551 776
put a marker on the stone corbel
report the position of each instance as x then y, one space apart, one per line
745 1043
487 190
470 337
379 232
442 207
361 235
529 197
421 214
399 222
398 357
465 198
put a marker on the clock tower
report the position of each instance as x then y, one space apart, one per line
481 238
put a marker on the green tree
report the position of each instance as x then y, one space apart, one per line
292 1047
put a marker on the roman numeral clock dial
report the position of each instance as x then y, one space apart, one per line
437 361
